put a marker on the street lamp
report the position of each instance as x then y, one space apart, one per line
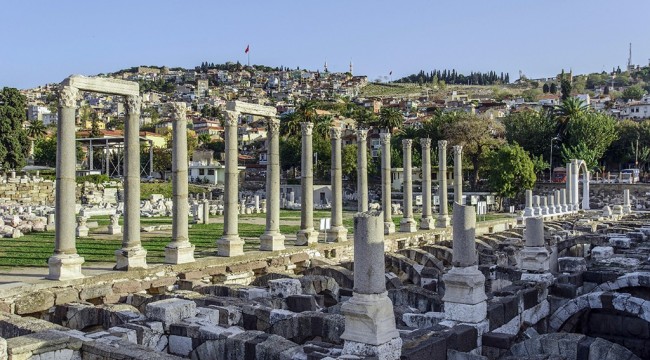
550 160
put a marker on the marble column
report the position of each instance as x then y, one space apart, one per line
65 263
565 207
272 239
537 209
627 206
558 202
386 191
427 221
362 170
458 174
307 234
551 204
230 244
528 210
443 215
369 320
179 250
132 255
534 256
585 190
407 224
543 205
337 232
464 298
206 211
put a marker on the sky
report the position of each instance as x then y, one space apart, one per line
44 41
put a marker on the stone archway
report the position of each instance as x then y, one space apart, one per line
572 184
627 281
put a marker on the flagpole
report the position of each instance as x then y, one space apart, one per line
249 58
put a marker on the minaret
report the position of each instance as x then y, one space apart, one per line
351 73
326 66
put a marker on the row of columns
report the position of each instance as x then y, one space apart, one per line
552 204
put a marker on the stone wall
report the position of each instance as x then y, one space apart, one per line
27 192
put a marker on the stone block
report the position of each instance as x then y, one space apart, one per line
499 340
170 311
95 291
462 338
572 264
284 288
65 295
35 302
495 314
429 348
300 303
127 286
180 345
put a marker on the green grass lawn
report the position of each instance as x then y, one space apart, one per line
165 188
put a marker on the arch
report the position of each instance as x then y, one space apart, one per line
600 300
625 281
573 175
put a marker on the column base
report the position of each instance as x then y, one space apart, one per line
65 267
443 221
464 285
337 234
627 209
305 237
114 230
49 227
389 227
391 350
427 223
230 245
369 319
529 211
132 258
467 313
82 231
272 241
179 253
408 225
535 258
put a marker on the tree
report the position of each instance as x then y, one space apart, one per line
290 125
634 92
162 160
478 135
349 162
204 139
553 88
364 117
569 108
545 88
582 152
629 132
14 144
94 126
593 132
390 118
531 129
531 94
510 171
36 129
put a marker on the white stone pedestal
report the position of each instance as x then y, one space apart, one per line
390 350
337 234
408 225
427 223
133 258
65 267
114 229
230 246
465 298
272 242
389 228
535 258
180 253
443 221
306 237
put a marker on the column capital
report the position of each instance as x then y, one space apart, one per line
307 128
335 133
273 125
362 134
442 144
425 143
68 97
230 118
457 149
133 104
178 109
407 143
384 138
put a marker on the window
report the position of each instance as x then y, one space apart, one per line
210 171
201 171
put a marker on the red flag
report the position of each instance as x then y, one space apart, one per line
248 47
391 72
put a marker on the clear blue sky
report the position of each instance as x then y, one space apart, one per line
45 41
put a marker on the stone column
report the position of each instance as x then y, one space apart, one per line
427 221
627 206
230 244
272 239
337 232
585 191
537 209
179 250
458 174
443 214
65 263
534 256
407 224
465 298
544 205
551 204
206 211
362 170
114 228
528 210
369 320
132 255
558 202
307 234
386 194
565 207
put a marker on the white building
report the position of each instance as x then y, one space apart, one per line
36 112
636 109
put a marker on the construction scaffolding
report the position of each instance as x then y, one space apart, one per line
112 163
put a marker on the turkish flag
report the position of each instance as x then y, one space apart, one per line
391 72
248 47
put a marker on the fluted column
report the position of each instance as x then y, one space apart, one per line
389 226
443 215
307 234
337 232
230 244
427 221
180 250
575 194
569 186
272 239
407 224
458 174
65 263
362 170
132 255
